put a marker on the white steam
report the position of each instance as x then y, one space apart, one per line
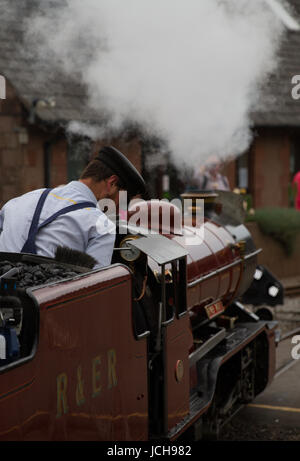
188 71
93 132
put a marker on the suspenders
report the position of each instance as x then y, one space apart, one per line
29 246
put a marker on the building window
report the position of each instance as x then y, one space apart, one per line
242 171
79 155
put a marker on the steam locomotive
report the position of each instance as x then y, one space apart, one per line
157 346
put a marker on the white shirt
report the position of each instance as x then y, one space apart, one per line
87 230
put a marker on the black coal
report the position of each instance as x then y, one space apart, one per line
30 275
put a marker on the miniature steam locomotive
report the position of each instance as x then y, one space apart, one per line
156 346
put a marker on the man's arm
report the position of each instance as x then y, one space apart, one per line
101 248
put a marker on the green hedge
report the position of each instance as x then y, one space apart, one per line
283 224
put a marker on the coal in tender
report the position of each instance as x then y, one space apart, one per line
37 274
6 268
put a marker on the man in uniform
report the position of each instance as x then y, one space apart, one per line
40 221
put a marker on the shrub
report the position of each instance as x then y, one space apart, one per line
283 224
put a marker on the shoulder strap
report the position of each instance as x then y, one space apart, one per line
68 209
29 246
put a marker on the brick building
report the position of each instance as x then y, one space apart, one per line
267 169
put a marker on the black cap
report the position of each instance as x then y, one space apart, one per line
123 168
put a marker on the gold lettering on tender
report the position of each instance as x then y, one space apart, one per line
112 374
61 385
96 376
79 388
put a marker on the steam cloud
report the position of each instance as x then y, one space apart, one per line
188 71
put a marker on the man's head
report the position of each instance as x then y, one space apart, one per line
101 180
111 172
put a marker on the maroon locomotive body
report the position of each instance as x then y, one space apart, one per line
155 346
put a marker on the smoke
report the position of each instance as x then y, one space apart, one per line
188 72
93 132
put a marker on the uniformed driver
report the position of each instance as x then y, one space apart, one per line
41 220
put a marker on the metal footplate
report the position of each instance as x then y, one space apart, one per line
210 338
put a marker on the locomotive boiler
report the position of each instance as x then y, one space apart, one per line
156 346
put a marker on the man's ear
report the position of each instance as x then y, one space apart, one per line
112 180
